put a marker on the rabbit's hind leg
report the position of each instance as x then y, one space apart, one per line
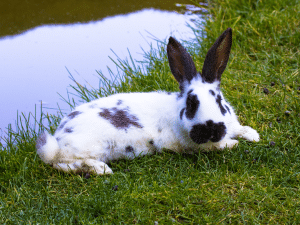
87 165
97 167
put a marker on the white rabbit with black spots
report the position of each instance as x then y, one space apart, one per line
128 125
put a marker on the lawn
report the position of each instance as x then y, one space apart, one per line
253 183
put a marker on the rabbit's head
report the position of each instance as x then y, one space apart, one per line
203 111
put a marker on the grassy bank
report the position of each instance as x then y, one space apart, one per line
252 183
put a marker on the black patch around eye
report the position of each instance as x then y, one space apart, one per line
210 131
68 130
192 105
151 142
218 100
181 113
212 92
120 118
129 149
227 109
73 114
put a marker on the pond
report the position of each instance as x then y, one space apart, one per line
41 41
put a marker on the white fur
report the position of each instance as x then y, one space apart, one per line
88 139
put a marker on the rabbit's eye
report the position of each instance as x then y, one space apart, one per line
218 100
192 105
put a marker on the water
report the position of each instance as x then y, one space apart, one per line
33 64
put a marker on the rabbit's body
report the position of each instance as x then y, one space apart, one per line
128 125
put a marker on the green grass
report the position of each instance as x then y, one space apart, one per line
254 183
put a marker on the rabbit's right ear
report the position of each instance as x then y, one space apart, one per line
217 57
180 61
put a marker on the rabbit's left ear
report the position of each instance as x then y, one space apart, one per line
217 58
180 61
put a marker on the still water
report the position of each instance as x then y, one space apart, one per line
34 63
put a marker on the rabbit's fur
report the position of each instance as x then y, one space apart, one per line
128 125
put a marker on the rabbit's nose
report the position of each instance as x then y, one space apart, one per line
209 131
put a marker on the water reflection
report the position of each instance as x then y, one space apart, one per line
18 16
33 65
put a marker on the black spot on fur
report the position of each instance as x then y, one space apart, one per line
62 125
210 131
120 118
192 105
151 142
68 130
212 92
105 114
218 100
190 91
73 114
227 109
179 95
129 149
41 141
119 102
181 113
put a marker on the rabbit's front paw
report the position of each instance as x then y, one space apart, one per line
229 143
249 134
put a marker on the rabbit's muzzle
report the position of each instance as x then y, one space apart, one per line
210 131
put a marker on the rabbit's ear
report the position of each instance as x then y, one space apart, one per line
217 58
180 61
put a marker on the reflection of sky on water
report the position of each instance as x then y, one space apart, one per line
33 65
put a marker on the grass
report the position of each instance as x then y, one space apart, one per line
254 183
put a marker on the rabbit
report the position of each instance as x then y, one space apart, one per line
128 125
